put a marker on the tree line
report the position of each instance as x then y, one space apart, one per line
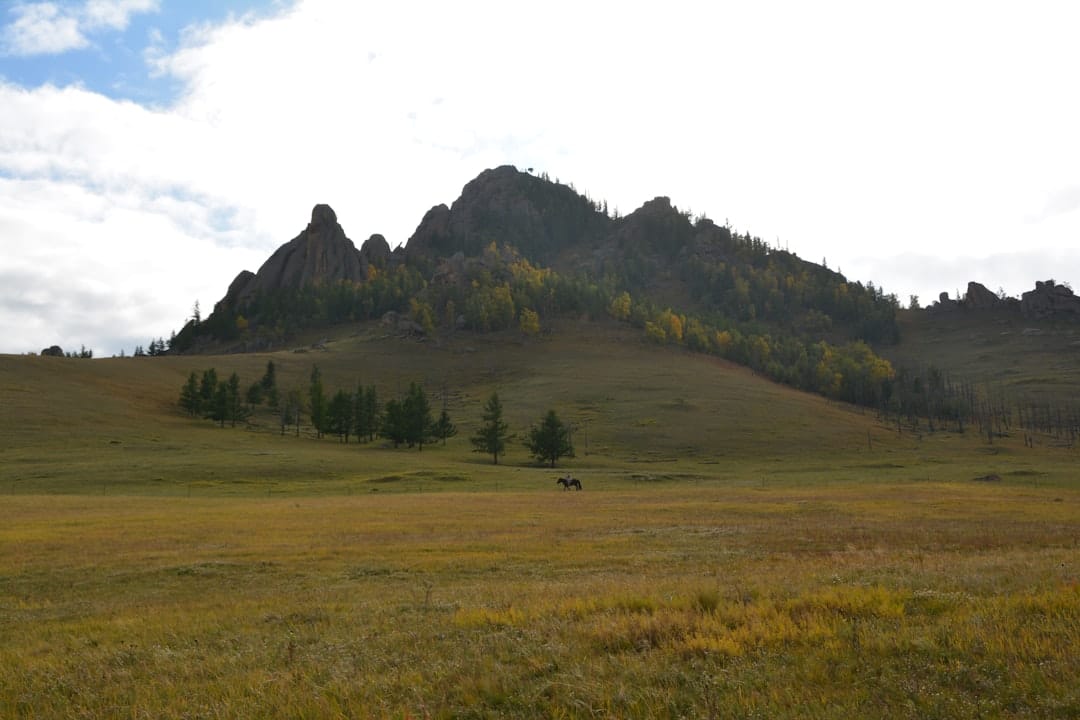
931 399
358 415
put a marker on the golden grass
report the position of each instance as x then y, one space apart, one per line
699 600
739 550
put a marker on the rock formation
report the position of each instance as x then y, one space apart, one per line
978 297
1049 300
320 254
538 217
375 251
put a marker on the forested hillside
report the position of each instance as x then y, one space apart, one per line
519 251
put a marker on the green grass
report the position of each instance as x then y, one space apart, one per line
993 350
641 413
739 550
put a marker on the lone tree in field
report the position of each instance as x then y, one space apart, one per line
493 432
551 440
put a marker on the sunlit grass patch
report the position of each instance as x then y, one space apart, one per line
644 600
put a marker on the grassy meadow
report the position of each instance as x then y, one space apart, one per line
1028 360
739 550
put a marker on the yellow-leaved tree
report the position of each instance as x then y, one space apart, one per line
620 306
529 322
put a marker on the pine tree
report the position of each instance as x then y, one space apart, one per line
207 389
372 414
550 440
444 428
291 410
235 409
365 413
219 410
268 383
341 415
493 433
419 426
318 401
255 394
393 422
189 395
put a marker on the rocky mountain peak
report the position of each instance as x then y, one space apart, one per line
323 215
503 204
321 253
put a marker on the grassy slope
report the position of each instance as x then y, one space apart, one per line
740 549
992 348
642 413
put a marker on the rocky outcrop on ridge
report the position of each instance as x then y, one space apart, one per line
1048 300
375 251
979 297
321 253
538 217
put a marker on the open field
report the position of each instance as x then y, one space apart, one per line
677 599
739 550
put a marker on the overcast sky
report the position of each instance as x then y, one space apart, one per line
152 149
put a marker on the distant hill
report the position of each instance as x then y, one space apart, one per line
658 254
519 251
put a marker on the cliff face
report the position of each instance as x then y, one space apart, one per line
321 253
538 217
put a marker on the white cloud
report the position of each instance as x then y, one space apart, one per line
114 14
862 135
46 28
105 269
42 29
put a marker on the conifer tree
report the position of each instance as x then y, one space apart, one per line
393 422
268 383
372 416
493 433
550 440
444 428
235 408
219 411
207 389
419 426
317 397
340 415
189 395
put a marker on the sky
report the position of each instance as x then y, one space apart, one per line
150 150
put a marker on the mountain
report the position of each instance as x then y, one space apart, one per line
320 254
540 218
518 251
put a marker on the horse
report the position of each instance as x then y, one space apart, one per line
569 482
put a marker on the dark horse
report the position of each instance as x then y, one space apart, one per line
569 482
